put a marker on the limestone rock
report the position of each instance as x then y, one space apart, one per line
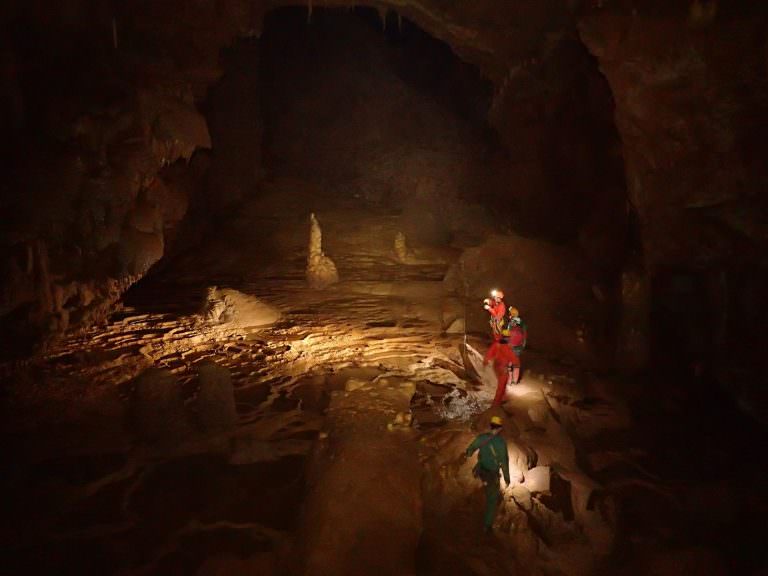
522 497
401 249
537 479
456 327
321 271
553 282
521 459
140 250
245 311
451 310
216 400
158 407
218 309
171 201
364 507
402 420
594 520
538 414
145 217
354 384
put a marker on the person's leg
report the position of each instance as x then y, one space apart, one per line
501 386
516 374
518 351
492 497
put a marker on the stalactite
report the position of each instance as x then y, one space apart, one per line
309 11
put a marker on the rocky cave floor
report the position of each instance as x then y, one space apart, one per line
101 483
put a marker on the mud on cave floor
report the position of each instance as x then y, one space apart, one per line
363 361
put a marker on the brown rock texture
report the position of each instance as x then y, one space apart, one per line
688 81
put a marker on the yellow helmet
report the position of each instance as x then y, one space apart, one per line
513 312
496 421
505 332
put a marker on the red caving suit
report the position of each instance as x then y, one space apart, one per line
497 312
504 360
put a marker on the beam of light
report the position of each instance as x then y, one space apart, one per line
524 390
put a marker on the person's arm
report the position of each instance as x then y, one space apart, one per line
474 446
504 460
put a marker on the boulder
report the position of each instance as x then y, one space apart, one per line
216 400
158 408
456 327
537 479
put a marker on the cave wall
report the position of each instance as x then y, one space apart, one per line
93 125
94 197
234 112
690 92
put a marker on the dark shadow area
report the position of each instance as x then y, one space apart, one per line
390 117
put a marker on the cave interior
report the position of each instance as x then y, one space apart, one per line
244 250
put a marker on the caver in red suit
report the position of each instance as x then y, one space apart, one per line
505 363
495 307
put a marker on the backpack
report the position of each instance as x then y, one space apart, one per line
516 336
480 472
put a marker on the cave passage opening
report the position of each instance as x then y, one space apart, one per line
362 109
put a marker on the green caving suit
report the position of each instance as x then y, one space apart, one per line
492 456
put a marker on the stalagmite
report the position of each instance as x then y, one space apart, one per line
321 271
403 254
401 248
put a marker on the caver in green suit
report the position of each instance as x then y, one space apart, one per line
492 455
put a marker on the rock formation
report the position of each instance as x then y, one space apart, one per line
404 254
159 413
401 249
218 307
321 271
215 399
